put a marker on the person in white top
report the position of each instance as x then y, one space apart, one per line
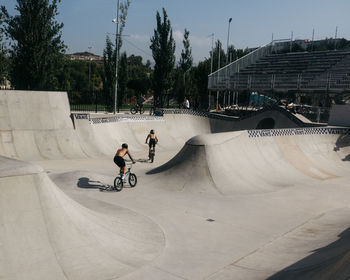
186 103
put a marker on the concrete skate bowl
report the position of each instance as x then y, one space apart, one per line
330 262
46 235
44 231
258 161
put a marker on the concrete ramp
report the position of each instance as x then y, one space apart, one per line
36 125
253 162
46 235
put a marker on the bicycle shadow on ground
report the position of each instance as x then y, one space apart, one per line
86 183
342 142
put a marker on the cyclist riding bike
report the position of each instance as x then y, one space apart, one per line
153 140
119 159
140 101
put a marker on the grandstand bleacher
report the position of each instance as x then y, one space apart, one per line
323 71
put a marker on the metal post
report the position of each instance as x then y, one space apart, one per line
312 41
217 92
211 64
291 41
116 63
335 38
228 39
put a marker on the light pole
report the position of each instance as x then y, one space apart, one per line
211 64
116 21
228 39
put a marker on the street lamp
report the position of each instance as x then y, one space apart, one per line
116 21
228 39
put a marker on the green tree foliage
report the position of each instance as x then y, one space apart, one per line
234 54
201 73
122 78
185 64
109 73
81 87
138 76
4 62
186 59
163 52
218 53
37 45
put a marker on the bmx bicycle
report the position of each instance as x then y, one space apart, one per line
119 182
151 154
137 109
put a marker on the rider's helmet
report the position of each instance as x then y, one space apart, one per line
125 146
152 131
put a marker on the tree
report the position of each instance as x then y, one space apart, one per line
185 64
201 72
122 78
163 52
186 59
3 55
37 49
109 73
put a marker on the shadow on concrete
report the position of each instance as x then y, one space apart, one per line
329 262
176 160
86 183
342 142
347 158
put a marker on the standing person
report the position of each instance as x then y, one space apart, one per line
153 140
140 101
186 103
119 159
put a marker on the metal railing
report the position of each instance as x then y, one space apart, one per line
295 81
221 76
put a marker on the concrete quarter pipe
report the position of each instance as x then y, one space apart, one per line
249 204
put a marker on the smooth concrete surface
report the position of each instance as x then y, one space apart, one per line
212 205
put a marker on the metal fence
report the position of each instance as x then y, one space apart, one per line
297 81
221 76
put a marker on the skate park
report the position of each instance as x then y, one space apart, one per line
220 201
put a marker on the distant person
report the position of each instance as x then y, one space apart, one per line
140 101
186 103
119 159
153 140
292 107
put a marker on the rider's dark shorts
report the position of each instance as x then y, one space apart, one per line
152 143
119 161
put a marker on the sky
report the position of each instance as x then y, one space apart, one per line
88 22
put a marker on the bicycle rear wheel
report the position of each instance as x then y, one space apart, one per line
133 110
152 156
118 184
132 180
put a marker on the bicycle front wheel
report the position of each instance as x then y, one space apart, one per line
118 184
132 180
133 110
142 110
